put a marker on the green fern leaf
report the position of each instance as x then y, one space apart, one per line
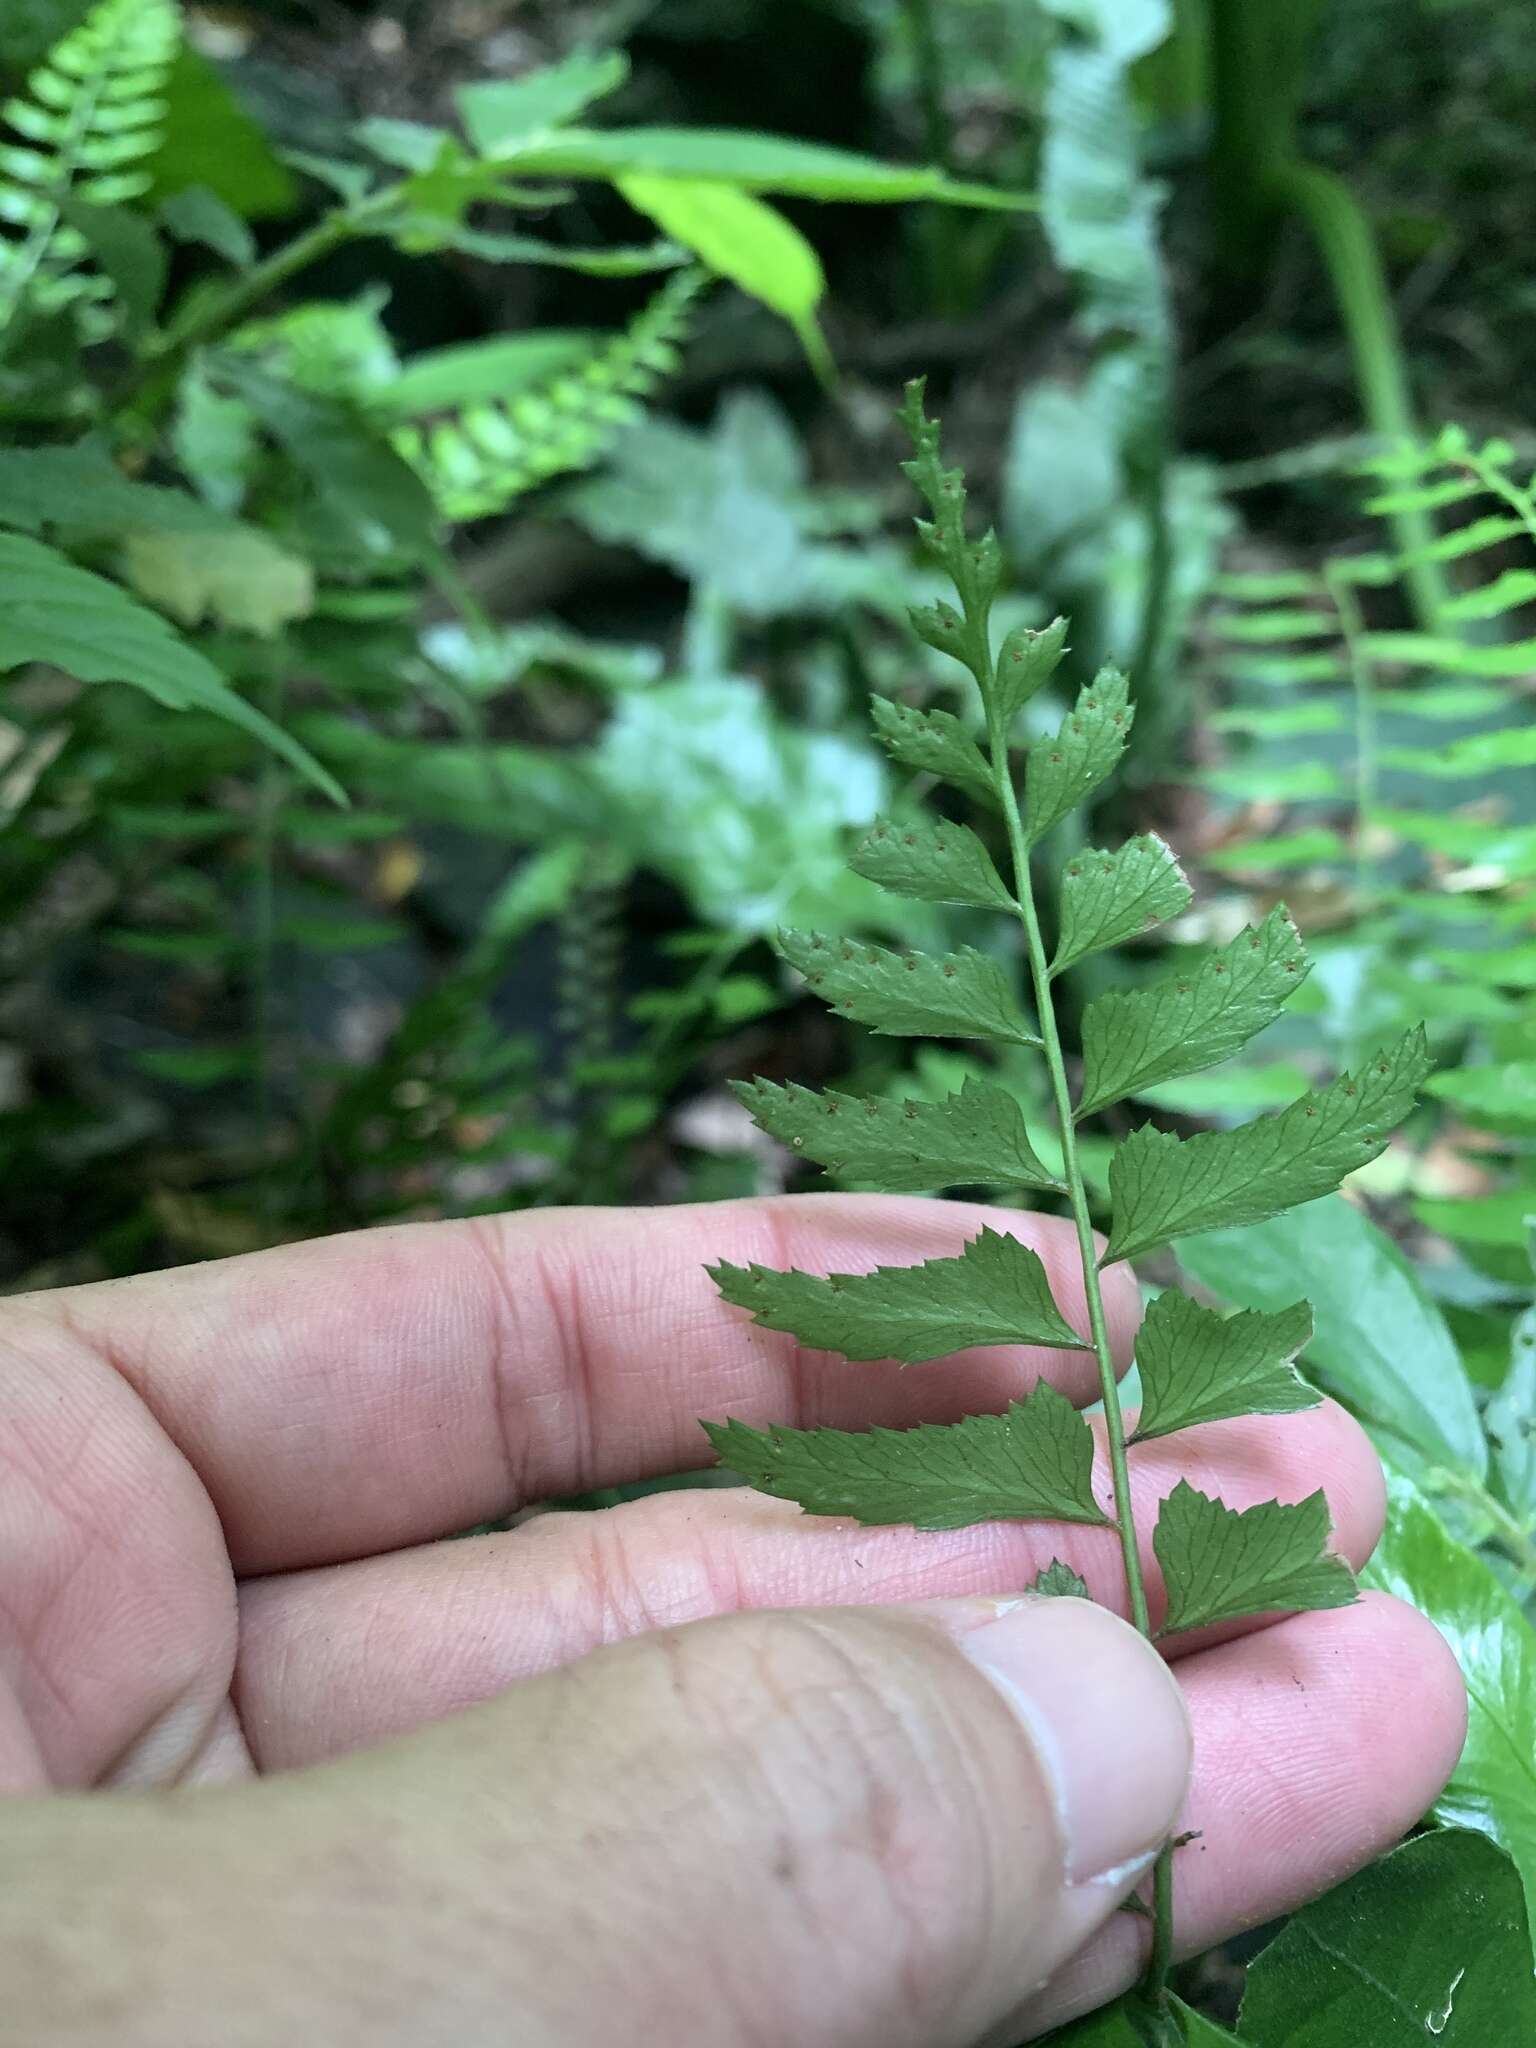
995 1292
1197 1366
934 743
1035 1461
1135 1038
91 119
1109 897
478 460
910 995
974 1139
1221 1565
1163 1187
931 859
1066 766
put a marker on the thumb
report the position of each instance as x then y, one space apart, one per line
846 1828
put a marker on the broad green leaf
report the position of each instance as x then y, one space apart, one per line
1499 1098
1066 766
1511 1421
1034 1461
973 1139
1191 1019
474 372
1493 1787
504 113
1221 1563
1197 1366
243 580
1284 851
995 1292
932 859
1163 1187
1428 1944
1503 967
1379 1342
1026 661
757 163
1058 1581
83 490
53 611
934 743
1480 1219
745 239
1108 897
909 995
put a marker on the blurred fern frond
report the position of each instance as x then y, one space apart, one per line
477 459
85 128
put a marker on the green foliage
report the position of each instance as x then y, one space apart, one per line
1430 1941
476 458
1218 1564
1034 1460
974 1138
88 124
996 1292
1197 1366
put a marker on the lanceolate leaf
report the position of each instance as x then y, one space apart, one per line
1220 1564
995 1292
1197 1366
1034 1461
1162 1186
54 611
932 859
1190 1020
936 743
1107 897
1066 766
973 1139
1058 1581
907 995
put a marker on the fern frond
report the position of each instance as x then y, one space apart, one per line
89 121
476 460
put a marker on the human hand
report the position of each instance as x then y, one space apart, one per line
728 1775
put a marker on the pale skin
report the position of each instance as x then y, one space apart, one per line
699 1769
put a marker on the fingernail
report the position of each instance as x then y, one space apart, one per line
1106 1720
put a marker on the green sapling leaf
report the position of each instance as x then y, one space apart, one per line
1134 1038
931 859
910 995
1108 897
1068 765
1162 1186
1026 661
1034 1461
1058 1581
973 1139
995 1292
1198 1366
935 743
1219 1564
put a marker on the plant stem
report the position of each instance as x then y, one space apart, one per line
1155 1985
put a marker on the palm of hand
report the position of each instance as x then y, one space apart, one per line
223 1489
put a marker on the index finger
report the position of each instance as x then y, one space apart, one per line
360 1393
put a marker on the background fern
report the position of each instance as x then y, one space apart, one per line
90 119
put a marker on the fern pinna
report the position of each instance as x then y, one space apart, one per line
91 118
1196 1366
